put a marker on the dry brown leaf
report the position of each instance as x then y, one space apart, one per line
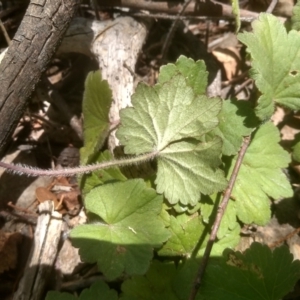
231 60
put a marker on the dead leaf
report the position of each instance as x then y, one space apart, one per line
231 60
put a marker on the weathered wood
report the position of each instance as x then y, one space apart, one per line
116 45
43 253
36 40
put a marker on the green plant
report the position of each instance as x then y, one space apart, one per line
197 145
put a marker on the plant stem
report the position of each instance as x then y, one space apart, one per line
30 171
219 216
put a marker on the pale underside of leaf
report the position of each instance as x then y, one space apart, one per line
165 114
193 168
160 122
194 72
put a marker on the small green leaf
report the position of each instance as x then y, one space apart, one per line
296 152
209 210
96 104
261 177
236 120
186 231
258 274
194 72
130 229
98 290
189 232
155 284
163 120
275 64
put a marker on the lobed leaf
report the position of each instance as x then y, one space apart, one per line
164 114
98 290
261 177
185 169
236 120
208 213
275 64
155 284
186 231
129 229
190 235
194 72
259 273
165 120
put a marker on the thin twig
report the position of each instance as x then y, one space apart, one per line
271 6
212 7
285 238
24 210
201 18
221 211
172 30
242 86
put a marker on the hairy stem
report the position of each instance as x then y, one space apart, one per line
30 171
217 222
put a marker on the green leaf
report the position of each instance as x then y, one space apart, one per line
189 233
236 120
261 177
236 13
96 104
89 181
98 290
186 169
275 64
131 227
161 120
258 274
194 72
155 284
208 212
164 114
186 231
296 17
180 208
296 152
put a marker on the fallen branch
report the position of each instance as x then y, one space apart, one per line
34 44
195 8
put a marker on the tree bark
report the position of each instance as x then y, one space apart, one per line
36 40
